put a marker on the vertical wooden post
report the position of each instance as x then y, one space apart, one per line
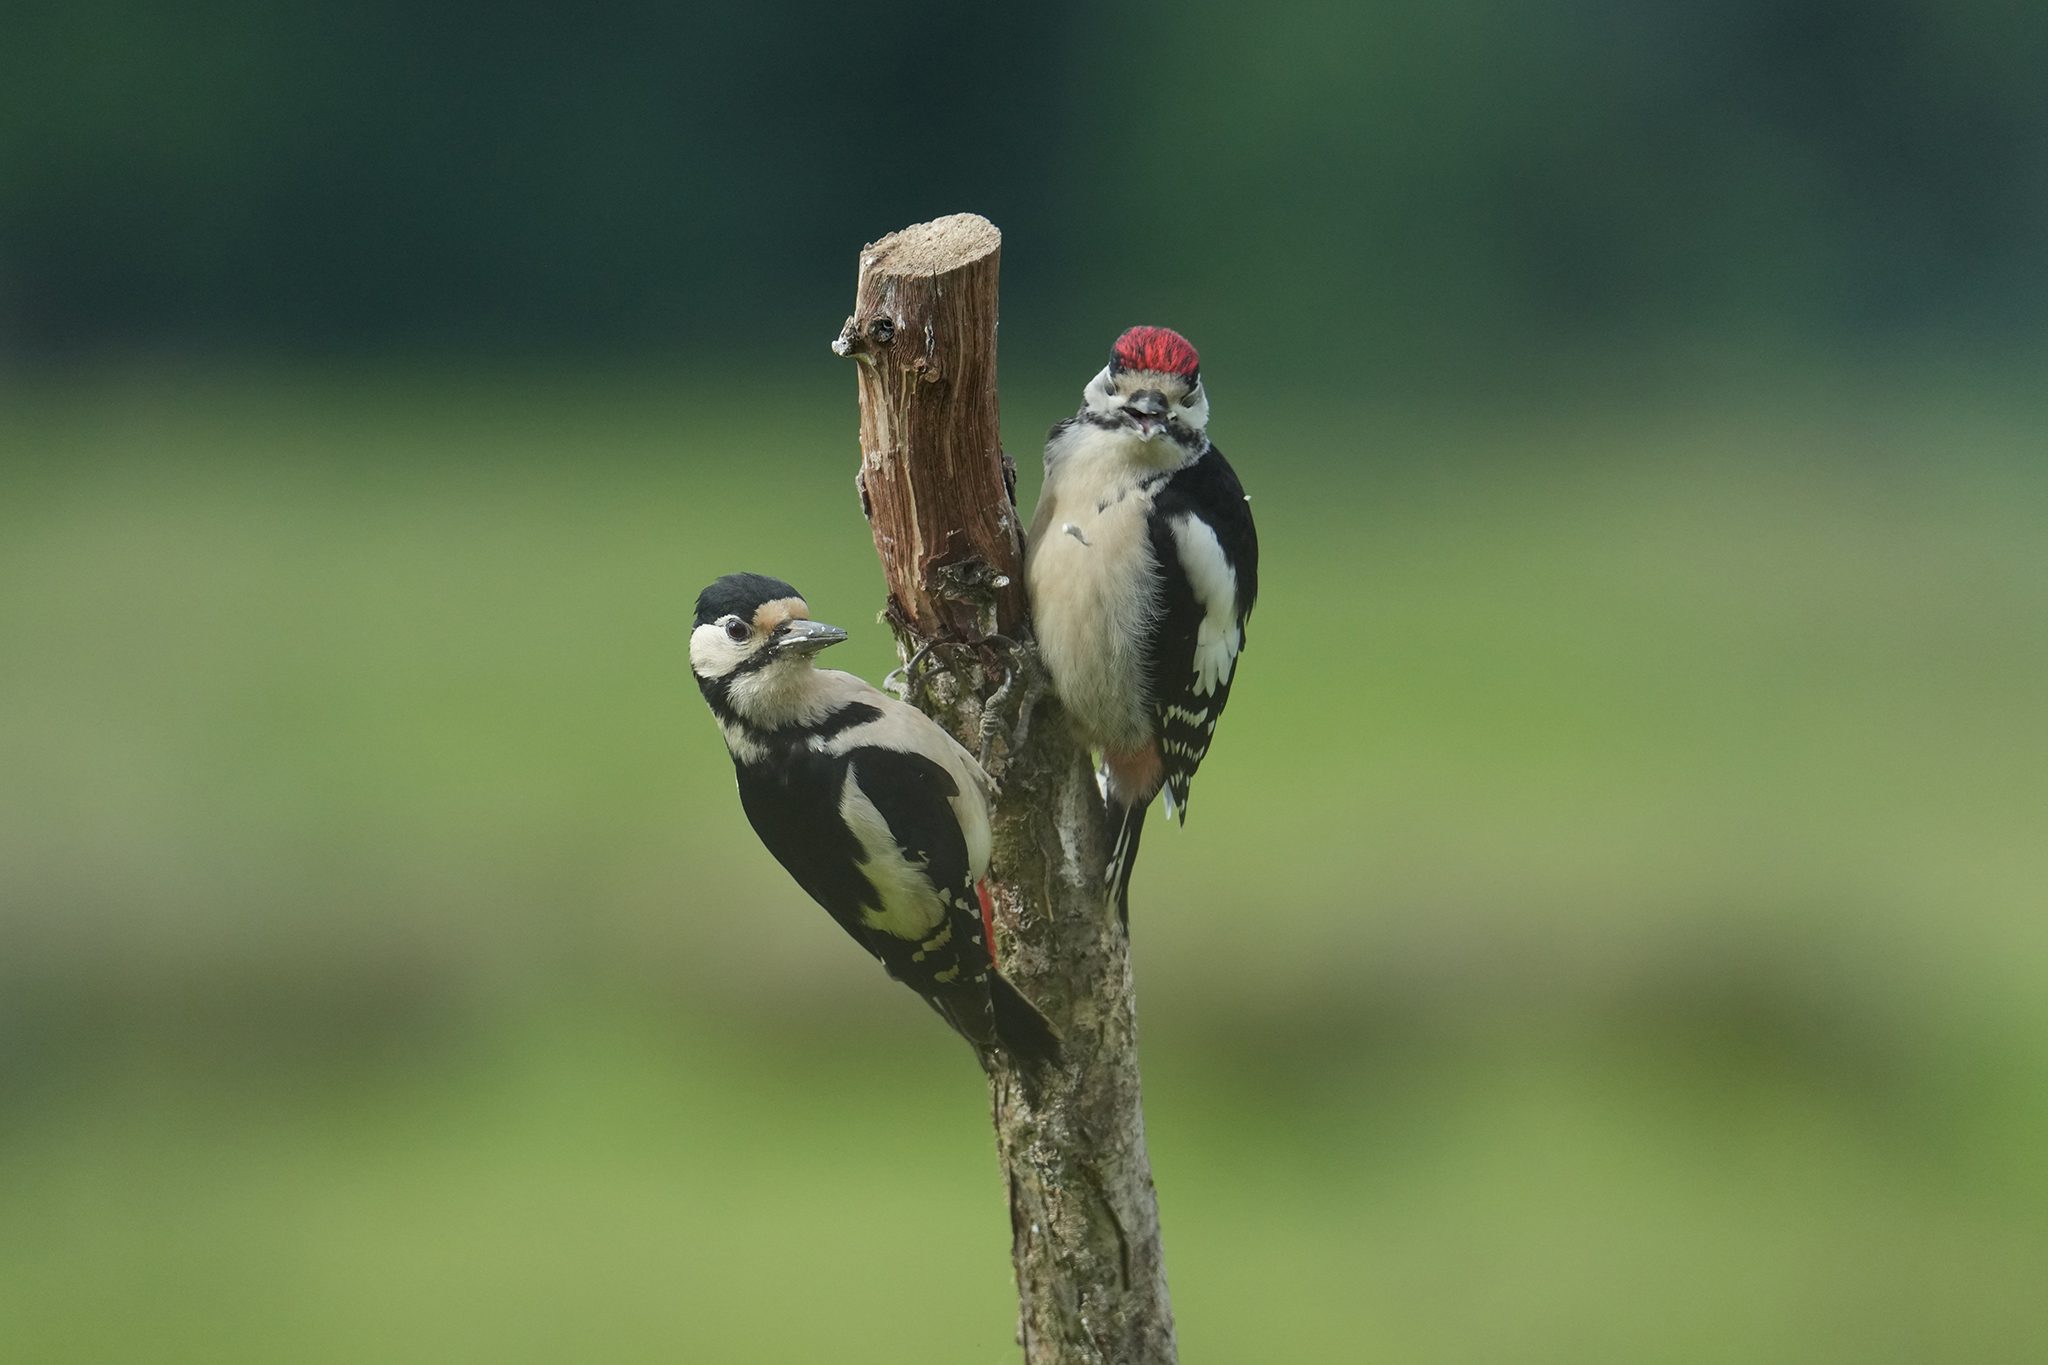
940 498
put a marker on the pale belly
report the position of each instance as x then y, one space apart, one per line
1094 597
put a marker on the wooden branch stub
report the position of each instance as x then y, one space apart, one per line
923 332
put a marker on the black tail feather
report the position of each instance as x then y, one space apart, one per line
1126 824
1020 1028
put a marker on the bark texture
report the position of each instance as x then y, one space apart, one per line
933 481
940 498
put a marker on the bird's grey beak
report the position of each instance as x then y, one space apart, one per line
806 637
1147 410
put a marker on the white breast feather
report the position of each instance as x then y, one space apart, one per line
792 693
1095 585
1218 639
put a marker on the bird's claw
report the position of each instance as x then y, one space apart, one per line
1023 687
898 681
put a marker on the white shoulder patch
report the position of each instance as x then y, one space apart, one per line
910 907
1215 584
904 728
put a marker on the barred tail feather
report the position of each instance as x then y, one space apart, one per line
1129 823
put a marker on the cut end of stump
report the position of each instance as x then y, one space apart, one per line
934 248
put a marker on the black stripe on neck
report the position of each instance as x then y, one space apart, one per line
718 694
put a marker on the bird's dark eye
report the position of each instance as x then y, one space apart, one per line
736 630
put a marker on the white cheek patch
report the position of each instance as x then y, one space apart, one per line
1215 583
1101 395
712 655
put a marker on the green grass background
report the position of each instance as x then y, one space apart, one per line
1610 926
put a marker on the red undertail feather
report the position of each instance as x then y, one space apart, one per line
988 919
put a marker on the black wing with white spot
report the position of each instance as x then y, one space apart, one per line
1208 554
947 959
793 804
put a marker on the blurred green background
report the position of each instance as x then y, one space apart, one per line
1613 924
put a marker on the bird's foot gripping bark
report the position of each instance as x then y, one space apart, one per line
1006 716
967 591
905 681
939 675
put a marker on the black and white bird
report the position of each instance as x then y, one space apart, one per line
874 809
1142 565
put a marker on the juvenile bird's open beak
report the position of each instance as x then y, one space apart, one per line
806 637
1146 410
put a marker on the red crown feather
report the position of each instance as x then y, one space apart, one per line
1160 349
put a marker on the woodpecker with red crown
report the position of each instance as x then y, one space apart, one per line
1143 565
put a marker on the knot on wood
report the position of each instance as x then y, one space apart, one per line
863 341
858 341
971 583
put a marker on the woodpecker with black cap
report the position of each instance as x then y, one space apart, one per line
873 808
